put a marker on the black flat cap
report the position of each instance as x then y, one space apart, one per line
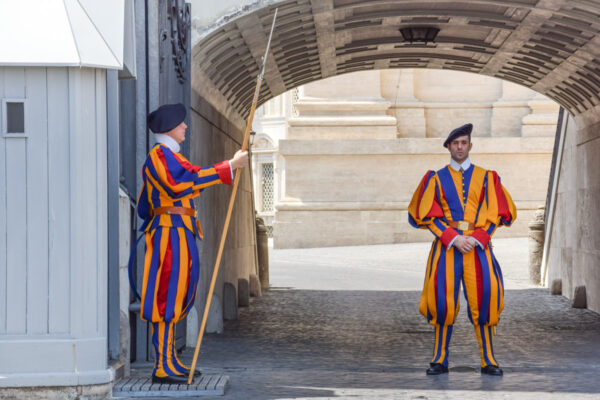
460 131
166 117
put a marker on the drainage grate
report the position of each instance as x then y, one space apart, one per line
205 385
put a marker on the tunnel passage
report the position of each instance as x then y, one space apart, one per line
550 46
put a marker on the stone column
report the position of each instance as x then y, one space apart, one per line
536 245
509 110
453 98
124 290
543 118
263 253
343 107
397 86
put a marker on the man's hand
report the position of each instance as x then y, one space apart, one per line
465 244
239 160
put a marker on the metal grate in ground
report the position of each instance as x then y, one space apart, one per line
205 385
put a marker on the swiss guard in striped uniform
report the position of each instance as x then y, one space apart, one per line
172 264
462 205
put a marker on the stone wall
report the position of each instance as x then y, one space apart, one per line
357 192
213 139
573 240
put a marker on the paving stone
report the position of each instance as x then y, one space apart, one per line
211 385
356 337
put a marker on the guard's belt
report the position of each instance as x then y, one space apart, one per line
175 210
462 225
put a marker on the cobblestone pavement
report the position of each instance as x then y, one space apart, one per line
342 323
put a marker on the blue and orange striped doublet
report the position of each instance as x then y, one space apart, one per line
172 265
477 199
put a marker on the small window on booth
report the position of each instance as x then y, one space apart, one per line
14 112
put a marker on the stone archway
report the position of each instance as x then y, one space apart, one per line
550 46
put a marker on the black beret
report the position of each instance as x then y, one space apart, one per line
460 131
166 117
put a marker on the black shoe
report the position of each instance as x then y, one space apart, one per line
492 370
171 379
197 373
436 369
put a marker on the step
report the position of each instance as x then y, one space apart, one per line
205 385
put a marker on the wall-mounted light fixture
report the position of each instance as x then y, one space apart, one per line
419 34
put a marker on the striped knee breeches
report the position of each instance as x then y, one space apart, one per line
482 283
171 271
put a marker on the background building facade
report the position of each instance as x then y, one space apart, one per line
340 158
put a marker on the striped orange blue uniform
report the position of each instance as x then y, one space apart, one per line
475 196
171 264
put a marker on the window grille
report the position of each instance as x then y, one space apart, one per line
267 187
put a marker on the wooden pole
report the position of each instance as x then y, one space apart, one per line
236 182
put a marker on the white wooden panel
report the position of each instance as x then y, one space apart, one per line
3 226
83 200
16 214
53 230
77 182
16 243
58 201
14 82
51 361
37 201
101 210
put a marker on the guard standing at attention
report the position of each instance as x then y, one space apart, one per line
172 264
462 205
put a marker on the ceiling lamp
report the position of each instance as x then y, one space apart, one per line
419 34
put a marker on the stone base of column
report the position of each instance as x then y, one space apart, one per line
410 119
54 362
101 391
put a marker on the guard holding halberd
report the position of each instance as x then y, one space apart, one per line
172 264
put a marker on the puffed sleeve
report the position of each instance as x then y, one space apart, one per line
499 208
172 174
425 210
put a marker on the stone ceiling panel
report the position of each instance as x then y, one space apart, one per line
551 46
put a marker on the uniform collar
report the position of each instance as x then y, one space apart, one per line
167 141
456 166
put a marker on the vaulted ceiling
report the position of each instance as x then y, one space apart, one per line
550 46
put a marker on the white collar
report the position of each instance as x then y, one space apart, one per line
456 166
167 141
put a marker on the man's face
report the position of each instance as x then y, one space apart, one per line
178 133
459 148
